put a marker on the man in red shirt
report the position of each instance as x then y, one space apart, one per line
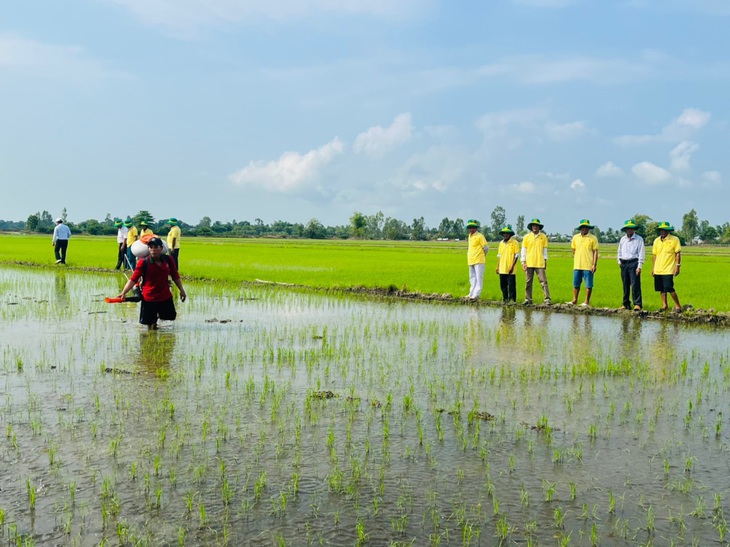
156 295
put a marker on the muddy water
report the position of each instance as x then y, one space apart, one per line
269 416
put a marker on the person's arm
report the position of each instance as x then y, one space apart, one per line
642 257
678 263
545 256
183 294
595 261
55 235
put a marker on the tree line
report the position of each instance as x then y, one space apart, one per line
374 226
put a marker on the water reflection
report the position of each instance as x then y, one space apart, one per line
61 290
630 342
662 347
155 351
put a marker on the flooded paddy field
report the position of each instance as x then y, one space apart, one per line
268 416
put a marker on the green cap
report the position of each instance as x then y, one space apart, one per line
507 229
629 224
128 222
536 222
117 222
471 223
172 221
664 225
585 222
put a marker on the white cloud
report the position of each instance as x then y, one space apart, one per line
577 185
291 172
609 169
377 140
436 169
565 131
681 155
683 127
651 173
186 14
49 60
711 179
524 187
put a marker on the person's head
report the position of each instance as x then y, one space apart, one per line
507 232
472 225
59 221
118 223
143 223
664 229
155 246
535 225
172 221
629 227
128 222
584 226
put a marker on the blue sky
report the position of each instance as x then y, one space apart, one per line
300 109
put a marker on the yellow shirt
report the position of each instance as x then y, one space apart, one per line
174 233
145 231
132 235
535 246
665 254
508 250
476 253
583 246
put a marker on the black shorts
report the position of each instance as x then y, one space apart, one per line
149 312
664 283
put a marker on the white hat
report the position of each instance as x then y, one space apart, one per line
59 220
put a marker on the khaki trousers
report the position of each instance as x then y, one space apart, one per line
542 277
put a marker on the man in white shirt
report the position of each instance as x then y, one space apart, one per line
121 243
61 235
630 258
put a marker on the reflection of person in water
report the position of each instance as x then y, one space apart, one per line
61 291
155 351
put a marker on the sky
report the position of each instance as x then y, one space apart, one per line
298 109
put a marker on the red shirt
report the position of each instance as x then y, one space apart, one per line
155 287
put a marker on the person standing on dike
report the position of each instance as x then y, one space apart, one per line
509 252
476 259
173 239
157 300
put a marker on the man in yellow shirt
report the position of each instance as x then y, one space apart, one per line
476 259
585 260
667 258
508 253
173 239
132 236
534 256
145 230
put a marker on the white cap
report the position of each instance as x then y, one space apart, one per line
59 220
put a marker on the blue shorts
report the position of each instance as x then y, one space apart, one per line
580 275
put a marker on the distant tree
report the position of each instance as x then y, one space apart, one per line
205 222
395 229
707 232
358 224
374 229
520 225
690 226
499 218
314 229
459 231
143 215
64 215
418 229
32 223
46 222
445 228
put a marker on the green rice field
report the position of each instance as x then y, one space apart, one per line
273 415
424 267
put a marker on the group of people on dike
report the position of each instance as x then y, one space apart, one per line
533 255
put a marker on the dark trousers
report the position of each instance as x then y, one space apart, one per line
175 253
631 282
120 255
508 284
131 259
60 250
